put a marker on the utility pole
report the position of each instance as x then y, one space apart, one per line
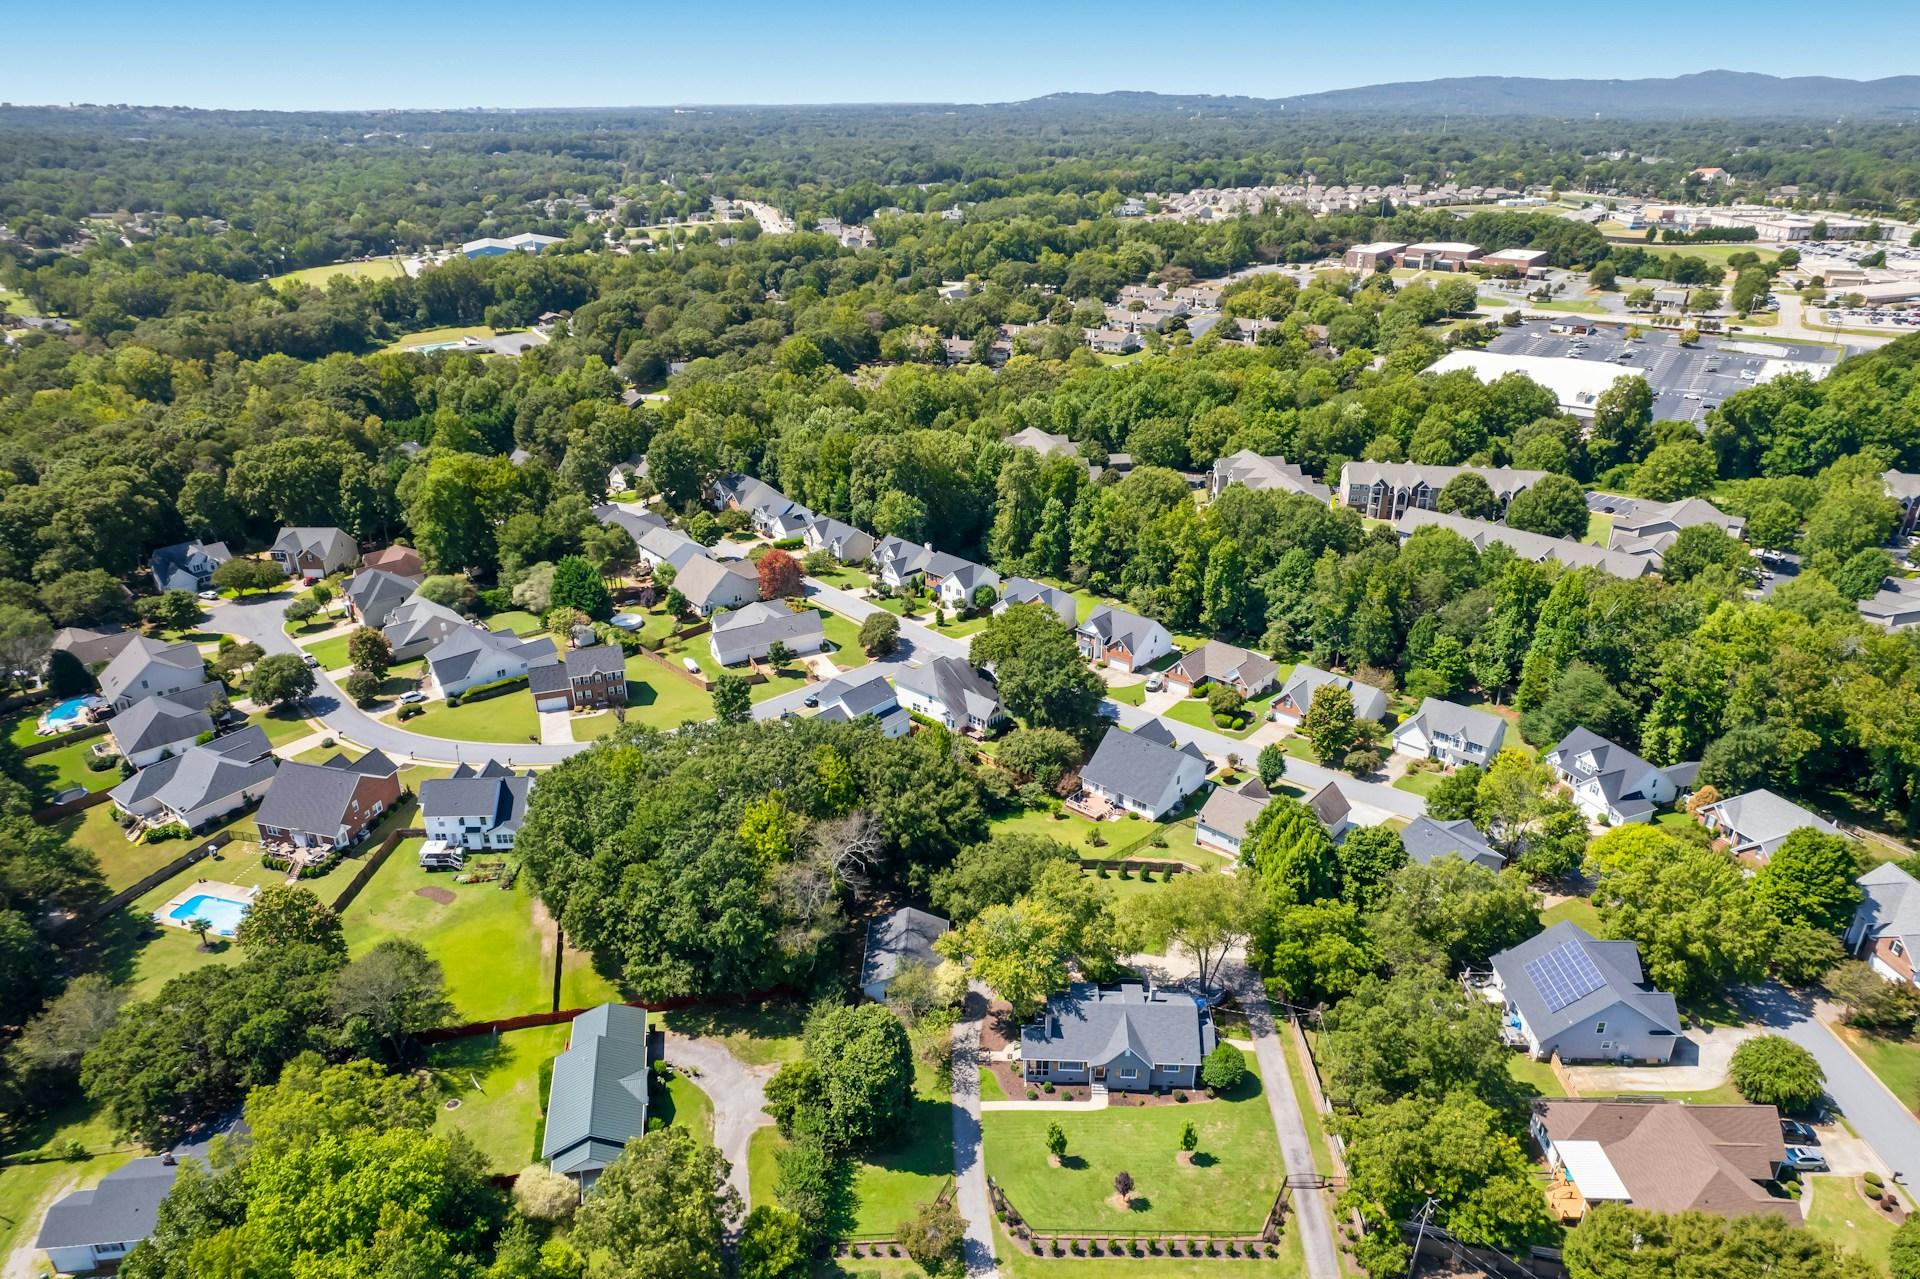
1424 1216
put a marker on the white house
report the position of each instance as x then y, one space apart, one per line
1126 641
749 633
1610 783
471 657
1143 771
1450 733
476 810
1758 822
950 692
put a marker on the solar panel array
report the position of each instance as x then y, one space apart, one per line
1564 975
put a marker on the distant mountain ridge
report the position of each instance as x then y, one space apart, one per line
1702 95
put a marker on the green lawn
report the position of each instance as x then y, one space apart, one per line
319 276
55 771
845 637
682 1103
785 678
1421 783
496 1079
844 576
1537 1075
657 623
1299 747
1069 829
1578 909
1127 694
1316 1124
759 1035
282 725
990 1089
497 963
1228 1189
19 726
1193 710
1182 848
330 653
505 717
1895 1061
658 698
123 863
30 1178
1837 1213
519 621
591 728
889 1184
451 333
1599 529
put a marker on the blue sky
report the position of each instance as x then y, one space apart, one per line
355 54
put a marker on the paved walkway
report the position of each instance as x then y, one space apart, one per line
738 1093
1875 1113
970 1174
1310 1215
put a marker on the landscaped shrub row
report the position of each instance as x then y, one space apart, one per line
480 692
1176 1246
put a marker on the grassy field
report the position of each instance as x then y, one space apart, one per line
660 699
888 1185
498 964
49 774
496 1079
1578 909
330 653
430 337
519 621
1228 1188
319 276
1837 1214
121 862
282 725
30 1178
1895 1061
759 1035
1069 828
1599 529
505 717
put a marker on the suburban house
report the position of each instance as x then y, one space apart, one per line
401 561
597 1102
773 513
150 730
1640 526
313 553
1045 443
954 580
1756 823
1886 923
587 678
1115 637
1126 1038
637 521
374 593
418 624
904 937
666 545
1571 995
839 539
949 691
782 519
1142 772
476 810
1533 546
94 1229
151 668
1296 695
846 698
471 657
327 806
187 566
898 562
1257 472
91 648
1450 733
749 633
1024 590
1215 662
1228 813
1428 840
1661 1158
1896 605
201 784
1610 783
1388 490
1335 811
711 584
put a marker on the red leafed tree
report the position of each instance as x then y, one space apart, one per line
779 575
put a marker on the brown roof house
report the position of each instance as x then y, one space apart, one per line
1215 662
401 561
1661 1157
327 806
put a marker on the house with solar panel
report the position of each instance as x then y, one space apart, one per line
597 1102
1567 993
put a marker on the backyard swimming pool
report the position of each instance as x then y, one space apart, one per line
68 714
223 913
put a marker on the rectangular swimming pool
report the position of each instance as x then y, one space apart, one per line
223 913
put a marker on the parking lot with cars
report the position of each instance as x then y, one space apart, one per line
1686 380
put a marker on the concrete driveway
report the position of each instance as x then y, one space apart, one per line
1700 1061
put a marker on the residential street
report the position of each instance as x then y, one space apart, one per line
1310 1215
1885 1121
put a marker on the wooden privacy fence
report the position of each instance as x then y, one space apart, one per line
56 812
63 739
126 896
372 865
500 1025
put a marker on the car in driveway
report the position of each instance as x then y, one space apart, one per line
209 595
1801 1159
412 698
1795 1133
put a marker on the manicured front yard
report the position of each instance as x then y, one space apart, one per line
1127 694
505 717
1229 1188
1895 1061
496 1079
1578 909
845 637
660 699
845 577
331 653
497 963
282 725
1194 711
1422 783
1837 1213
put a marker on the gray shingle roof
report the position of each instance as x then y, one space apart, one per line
1301 686
905 935
1231 810
860 693
702 576
1530 546
1455 720
1617 769
454 658
760 624
1428 840
201 774
119 1210
374 593
418 619
595 659
1762 817
156 722
1617 964
1889 904
330 545
1258 472
1024 590
175 662
1136 765
1227 663
502 801
1117 627
313 798
1095 1024
956 685
598 1099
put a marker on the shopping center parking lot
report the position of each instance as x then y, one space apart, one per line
1686 381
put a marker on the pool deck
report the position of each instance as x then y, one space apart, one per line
202 888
